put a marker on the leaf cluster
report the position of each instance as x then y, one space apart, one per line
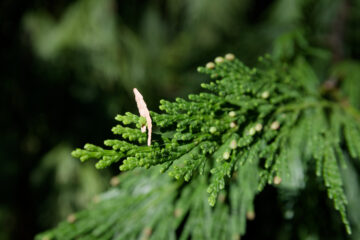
250 127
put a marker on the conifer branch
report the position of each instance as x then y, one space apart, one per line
232 140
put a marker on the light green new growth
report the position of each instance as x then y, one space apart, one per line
232 140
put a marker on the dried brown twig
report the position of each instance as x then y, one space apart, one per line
144 112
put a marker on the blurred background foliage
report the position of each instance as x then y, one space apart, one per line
68 67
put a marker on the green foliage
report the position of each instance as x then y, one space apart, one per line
70 179
147 206
348 73
237 137
94 52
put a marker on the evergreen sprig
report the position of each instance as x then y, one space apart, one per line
147 205
235 138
